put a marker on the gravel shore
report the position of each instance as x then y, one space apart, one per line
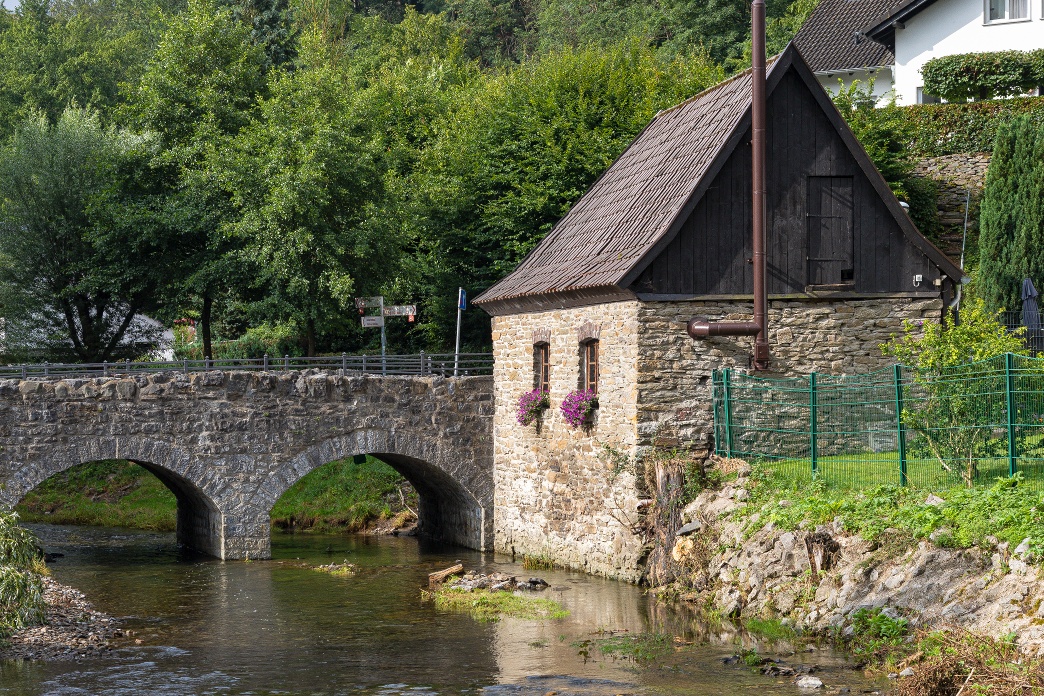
74 630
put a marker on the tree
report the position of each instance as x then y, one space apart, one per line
82 236
953 413
305 185
200 88
519 151
1011 230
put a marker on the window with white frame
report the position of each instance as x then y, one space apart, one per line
1006 10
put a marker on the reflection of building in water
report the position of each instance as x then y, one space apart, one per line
593 603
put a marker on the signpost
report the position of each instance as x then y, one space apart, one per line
373 321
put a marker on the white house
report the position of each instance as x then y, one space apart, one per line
891 39
920 30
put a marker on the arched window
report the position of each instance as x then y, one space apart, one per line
589 365
542 366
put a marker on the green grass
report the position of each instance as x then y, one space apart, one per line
488 606
1008 510
111 493
340 496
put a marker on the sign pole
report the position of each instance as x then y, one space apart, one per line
384 342
461 299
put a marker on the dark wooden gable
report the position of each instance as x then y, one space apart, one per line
829 227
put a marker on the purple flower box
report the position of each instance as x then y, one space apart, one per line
531 406
578 407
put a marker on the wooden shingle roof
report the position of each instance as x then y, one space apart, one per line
635 201
638 205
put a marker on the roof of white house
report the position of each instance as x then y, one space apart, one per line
832 39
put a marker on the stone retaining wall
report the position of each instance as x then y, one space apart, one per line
955 176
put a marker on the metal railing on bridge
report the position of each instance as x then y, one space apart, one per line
444 364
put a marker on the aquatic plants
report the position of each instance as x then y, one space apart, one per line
531 405
490 606
578 406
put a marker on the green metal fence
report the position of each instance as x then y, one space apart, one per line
967 424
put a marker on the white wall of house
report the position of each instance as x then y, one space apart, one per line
950 27
834 81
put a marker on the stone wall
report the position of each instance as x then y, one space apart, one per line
556 496
955 176
556 492
829 336
229 444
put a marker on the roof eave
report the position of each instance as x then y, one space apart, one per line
884 30
555 300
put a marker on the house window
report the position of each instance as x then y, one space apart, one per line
589 365
926 97
1005 10
542 367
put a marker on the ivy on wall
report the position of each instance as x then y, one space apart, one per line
984 75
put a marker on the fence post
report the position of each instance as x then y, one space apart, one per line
265 362
286 362
24 371
46 371
813 407
105 368
900 431
422 362
127 363
344 364
184 365
1009 382
726 377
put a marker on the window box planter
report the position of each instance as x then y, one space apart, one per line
579 406
531 406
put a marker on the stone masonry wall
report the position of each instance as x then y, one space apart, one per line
829 336
555 495
229 444
954 176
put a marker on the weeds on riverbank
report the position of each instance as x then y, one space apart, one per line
641 648
21 589
1008 511
490 606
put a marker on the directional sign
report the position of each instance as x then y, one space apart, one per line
364 302
372 322
400 310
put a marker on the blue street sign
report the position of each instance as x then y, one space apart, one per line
462 301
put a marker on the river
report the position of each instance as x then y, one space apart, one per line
279 627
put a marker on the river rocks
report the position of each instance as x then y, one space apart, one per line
496 582
807 681
74 630
767 573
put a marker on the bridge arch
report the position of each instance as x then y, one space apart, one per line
455 496
199 518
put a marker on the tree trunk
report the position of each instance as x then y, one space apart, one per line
204 326
310 337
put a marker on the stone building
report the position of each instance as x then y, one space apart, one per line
661 237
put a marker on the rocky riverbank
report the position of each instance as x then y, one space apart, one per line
815 578
73 629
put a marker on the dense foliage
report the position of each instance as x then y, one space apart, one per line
1011 234
984 75
21 591
249 167
946 129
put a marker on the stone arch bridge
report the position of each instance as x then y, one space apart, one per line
229 444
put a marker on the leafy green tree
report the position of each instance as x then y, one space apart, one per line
81 233
520 150
199 90
1011 230
305 185
952 415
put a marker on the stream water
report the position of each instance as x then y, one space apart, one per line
279 627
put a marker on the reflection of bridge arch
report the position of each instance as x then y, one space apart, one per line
229 444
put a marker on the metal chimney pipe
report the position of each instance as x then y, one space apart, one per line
699 327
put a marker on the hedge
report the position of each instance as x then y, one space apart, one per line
984 75
947 129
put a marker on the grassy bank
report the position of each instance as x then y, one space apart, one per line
340 496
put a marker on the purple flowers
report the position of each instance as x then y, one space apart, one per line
531 405
578 406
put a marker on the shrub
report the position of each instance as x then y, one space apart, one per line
21 591
946 129
984 75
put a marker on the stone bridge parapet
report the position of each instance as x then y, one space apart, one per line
229 444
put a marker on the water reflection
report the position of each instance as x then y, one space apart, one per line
280 627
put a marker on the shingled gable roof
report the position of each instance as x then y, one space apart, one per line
636 208
883 30
831 40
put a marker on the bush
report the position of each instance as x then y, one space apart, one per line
984 75
933 130
21 591
275 341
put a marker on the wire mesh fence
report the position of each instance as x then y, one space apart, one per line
932 429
